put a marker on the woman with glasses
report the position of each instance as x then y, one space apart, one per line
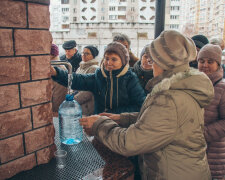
88 65
209 62
115 87
143 67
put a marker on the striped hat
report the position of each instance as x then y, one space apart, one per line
171 49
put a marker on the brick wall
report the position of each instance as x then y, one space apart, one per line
26 129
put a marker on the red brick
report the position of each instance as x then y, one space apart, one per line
14 70
15 122
35 92
9 96
11 148
12 168
45 155
40 67
28 42
39 138
12 14
42 115
39 1
39 16
6 43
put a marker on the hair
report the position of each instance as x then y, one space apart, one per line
122 37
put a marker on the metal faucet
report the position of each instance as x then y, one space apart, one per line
66 63
69 68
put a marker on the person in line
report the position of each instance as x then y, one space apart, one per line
115 87
71 54
143 67
217 41
58 91
200 41
168 132
209 62
125 40
88 65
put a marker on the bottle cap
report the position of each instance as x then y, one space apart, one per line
69 97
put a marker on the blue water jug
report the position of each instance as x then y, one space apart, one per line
70 130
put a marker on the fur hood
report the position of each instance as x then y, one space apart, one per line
192 81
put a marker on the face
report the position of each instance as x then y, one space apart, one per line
156 70
86 55
70 53
146 62
126 44
112 61
208 66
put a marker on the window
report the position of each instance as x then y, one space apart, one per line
132 0
92 35
65 1
132 9
65 26
65 10
122 8
174 26
142 35
74 10
74 19
65 18
112 17
174 16
121 17
112 8
102 9
122 0
102 18
175 8
75 1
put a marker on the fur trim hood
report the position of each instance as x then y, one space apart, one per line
192 81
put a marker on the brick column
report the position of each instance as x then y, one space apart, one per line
26 128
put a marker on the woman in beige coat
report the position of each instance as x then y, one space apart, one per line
167 133
88 65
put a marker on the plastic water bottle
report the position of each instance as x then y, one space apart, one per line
70 130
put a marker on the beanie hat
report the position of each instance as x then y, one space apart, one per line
145 50
120 50
94 50
211 51
54 50
200 40
171 49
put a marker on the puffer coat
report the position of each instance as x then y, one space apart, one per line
168 133
115 92
215 127
74 61
86 98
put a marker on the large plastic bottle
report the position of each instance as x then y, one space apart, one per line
70 130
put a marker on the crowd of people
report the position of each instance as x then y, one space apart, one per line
166 108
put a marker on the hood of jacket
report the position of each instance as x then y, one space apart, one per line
190 80
85 65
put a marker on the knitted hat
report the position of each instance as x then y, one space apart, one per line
145 50
94 50
54 50
211 51
120 50
171 49
200 40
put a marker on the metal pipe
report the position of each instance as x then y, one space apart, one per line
66 63
159 16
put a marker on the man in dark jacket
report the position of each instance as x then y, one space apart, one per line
72 55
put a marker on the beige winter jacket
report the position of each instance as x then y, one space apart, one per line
168 131
86 98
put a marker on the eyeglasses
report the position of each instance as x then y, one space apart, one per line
85 54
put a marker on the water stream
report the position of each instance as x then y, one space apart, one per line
70 78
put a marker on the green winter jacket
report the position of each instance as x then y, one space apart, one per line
168 131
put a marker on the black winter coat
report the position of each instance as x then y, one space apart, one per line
74 61
116 92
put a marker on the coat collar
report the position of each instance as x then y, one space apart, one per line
84 65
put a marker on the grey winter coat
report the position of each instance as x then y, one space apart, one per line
86 98
168 131
215 127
